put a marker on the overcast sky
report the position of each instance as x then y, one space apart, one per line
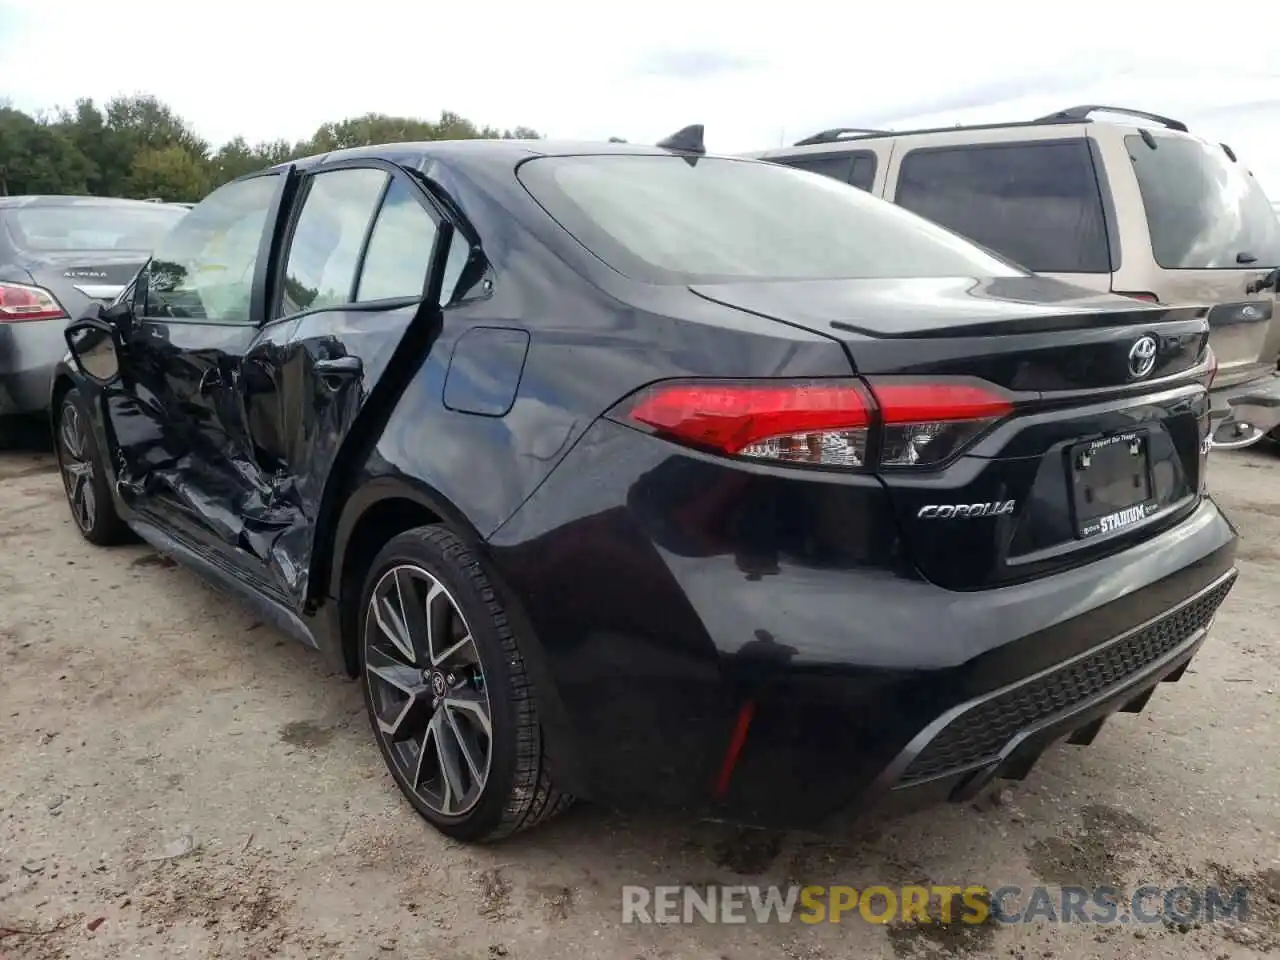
756 74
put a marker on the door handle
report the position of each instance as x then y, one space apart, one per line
340 367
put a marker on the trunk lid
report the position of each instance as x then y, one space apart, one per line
93 275
1103 447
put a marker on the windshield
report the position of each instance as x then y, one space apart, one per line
664 219
1204 211
41 228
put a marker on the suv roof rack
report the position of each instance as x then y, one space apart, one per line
837 133
1078 114
1081 113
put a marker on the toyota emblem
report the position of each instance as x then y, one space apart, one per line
1142 356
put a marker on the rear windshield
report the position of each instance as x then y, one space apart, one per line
663 219
90 227
1204 210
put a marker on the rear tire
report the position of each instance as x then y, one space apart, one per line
93 510
450 703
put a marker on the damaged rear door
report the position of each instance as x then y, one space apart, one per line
356 307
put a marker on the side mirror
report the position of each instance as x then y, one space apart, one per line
94 344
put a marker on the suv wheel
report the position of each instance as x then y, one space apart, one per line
85 482
449 701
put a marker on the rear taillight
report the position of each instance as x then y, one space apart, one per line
19 303
822 423
814 422
928 422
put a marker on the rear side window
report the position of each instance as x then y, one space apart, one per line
663 219
399 256
325 249
858 169
1036 203
864 171
1203 210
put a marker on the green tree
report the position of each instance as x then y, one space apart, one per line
138 146
38 158
153 124
168 173
86 128
233 159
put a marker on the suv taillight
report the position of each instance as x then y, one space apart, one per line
887 422
20 303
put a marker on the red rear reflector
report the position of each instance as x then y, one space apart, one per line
1147 297
780 421
737 740
19 303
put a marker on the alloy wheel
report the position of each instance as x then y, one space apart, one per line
77 466
428 691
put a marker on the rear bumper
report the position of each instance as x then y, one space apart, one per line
660 615
26 392
1241 415
1003 733
29 352
930 738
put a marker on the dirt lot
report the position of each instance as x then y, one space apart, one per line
178 780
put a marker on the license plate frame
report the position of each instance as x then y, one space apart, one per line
1111 484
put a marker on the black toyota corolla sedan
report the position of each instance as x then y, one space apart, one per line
654 477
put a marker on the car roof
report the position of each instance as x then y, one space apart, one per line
417 152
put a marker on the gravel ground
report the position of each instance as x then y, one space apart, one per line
178 780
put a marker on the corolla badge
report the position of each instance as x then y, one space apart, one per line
958 511
1142 356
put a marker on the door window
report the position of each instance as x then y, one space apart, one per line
864 171
858 169
399 256
1037 203
203 269
325 249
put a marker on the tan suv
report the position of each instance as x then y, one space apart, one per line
1143 209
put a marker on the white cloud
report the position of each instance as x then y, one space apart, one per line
754 74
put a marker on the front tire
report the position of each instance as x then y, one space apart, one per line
83 478
450 703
